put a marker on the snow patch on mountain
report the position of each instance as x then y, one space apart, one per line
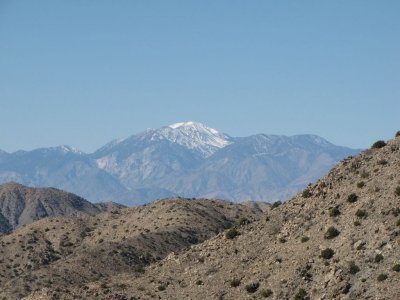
195 136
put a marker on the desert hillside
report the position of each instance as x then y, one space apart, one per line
64 253
339 239
21 205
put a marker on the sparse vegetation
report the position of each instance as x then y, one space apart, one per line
266 293
396 268
231 233
331 233
352 198
360 184
301 295
306 193
353 268
382 277
276 204
327 253
252 287
235 282
244 221
378 144
304 239
334 212
361 213
378 258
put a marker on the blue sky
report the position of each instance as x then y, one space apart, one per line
85 72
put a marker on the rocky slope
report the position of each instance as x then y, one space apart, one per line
338 239
184 159
63 253
21 205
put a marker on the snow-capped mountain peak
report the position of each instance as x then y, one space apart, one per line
195 136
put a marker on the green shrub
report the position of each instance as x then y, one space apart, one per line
353 268
304 239
276 204
306 193
382 277
361 184
244 221
378 258
235 282
396 268
361 213
252 287
378 144
331 233
301 295
334 212
267 293
352 198
231 233
327 253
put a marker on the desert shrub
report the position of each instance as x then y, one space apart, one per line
352 198
306 193
161 287
276 204
378 258
267 293
378 144
244 221
357 223
353 268
398 222
396 268
397 134
301 295
382 162
361 213
252 287
231 233
334 212
360 184
235 282
382 277
199 282
282 240
327 253
304 239
331 233
397 191
364 174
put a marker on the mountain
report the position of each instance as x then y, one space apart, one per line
21 205
61 253
337 239
185 159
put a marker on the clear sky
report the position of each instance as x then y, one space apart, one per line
85 72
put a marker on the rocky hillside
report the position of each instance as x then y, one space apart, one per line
338 239
21 205
60 254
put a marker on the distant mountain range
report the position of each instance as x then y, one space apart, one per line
184 159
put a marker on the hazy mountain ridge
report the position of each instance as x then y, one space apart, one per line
186 159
